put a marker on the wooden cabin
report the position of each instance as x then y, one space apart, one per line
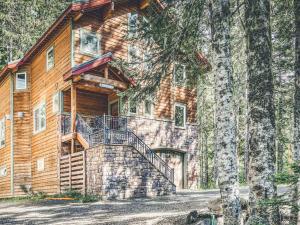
61 123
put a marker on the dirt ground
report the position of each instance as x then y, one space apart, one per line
163 210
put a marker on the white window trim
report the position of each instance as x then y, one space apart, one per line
184 115
47 58
39 106
184 74
58 95
98 43
4 127
3 168
17 74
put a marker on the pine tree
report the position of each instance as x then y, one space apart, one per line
261 110
225 124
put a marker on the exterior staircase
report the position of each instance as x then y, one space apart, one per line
109 130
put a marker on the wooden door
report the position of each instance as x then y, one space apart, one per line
114 108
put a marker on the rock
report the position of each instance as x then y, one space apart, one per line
192 217
204 222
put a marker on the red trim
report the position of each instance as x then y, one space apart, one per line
7 68
91 66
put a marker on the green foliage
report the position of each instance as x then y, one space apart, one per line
22 23
77 196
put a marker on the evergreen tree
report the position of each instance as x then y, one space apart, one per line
261 110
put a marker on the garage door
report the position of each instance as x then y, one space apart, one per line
175 160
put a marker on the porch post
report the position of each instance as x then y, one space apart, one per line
73 113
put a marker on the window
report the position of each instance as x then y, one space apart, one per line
21 81
147 61
179 74
148 107
50 58
133 55
89 43
3 171
2 132
132 107
39 115
132 24
180 115
40 164
56 102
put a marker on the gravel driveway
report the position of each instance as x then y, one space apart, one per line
161 210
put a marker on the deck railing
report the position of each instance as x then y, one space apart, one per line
112 130
65 123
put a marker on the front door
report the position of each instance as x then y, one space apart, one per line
114 108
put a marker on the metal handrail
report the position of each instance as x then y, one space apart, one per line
114 130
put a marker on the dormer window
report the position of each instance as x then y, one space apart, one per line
50 58
21 81
89 43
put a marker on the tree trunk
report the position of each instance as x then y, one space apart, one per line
262 157
280 144
296 152
225 121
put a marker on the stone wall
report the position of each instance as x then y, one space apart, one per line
121 172
162 134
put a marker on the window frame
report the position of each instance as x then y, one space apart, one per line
39 107
81 43
129 107
59 106
183 82
4 133
17 74
151 110
4 168
132 31
42 159
130 59
184 115
47 58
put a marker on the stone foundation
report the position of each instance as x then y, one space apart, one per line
160 134
121 172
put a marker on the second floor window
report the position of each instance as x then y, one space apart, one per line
89 43
50 58
180 115
179 74
39 118
2 132
21 81
133 54
132 24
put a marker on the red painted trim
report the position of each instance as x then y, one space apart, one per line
7 68
91 66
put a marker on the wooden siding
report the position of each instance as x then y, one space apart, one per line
5 159
112 33
88 103
44 84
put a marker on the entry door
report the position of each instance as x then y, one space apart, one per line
114 108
